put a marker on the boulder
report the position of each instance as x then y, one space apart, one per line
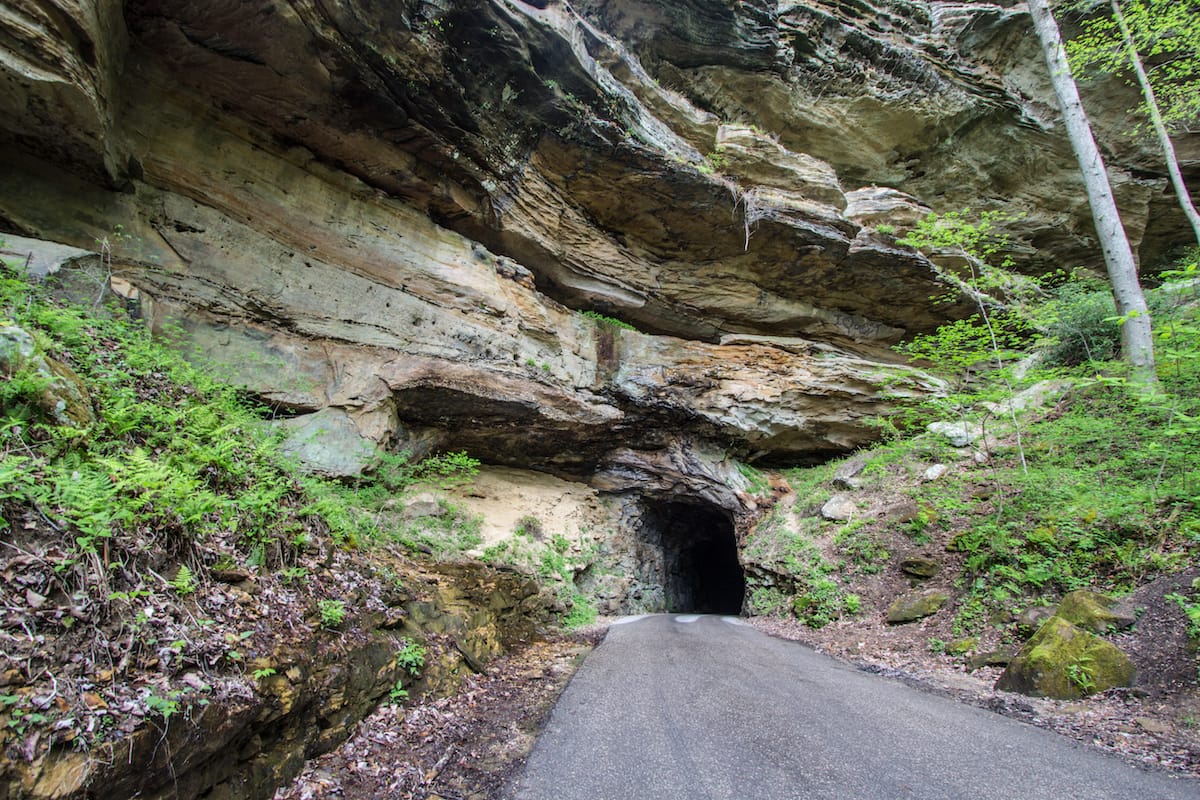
1095 612
960 647
1065 662
328 443
424 504
921 567
934 472
1000 657
1029 620
916 605
846 476
53 390
839 508
959 434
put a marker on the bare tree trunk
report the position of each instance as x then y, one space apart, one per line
1160 130
1137 342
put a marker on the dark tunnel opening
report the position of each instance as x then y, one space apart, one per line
701 571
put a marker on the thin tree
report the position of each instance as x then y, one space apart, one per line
1085 50
1137 342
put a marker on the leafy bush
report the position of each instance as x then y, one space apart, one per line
1082 325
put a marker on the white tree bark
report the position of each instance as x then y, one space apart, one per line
1160 130
1137 342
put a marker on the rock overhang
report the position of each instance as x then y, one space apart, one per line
406 216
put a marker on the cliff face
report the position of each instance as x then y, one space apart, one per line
385 216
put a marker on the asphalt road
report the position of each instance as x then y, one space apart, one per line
707 708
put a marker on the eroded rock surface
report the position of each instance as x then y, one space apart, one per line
383 216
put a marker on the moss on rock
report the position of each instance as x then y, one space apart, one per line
1065 662
1093 611
915 605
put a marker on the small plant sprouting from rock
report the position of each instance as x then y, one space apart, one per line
332 612
167 706
411 657
1080 674
398 694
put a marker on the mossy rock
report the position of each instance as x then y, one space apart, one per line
960 647
920 567
1065 662
1032 618
51 388
1094 612
915 605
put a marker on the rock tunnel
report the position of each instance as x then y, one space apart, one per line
695 545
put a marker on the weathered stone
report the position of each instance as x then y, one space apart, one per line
1063 661
1094 611
993 658
934 472
959 434
230 574
1033 397
328 442
1030 619
425 504
846 476
840 507
916 605
1150 725
759 160
39 259
888 208
920 566
958 647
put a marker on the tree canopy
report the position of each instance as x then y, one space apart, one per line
1166 34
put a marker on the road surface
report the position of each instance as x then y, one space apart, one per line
673 707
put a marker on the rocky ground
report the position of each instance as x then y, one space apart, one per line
457 747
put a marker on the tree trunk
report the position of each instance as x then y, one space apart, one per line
1137 342
1160 130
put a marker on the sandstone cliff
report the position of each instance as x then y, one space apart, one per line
385 217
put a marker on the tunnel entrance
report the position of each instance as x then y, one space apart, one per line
700 569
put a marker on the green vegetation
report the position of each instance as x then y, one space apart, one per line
411 657
1100 492
145 499
806 585
170 457
331 612
1191 607
612 322
757 482
552 562
1166 35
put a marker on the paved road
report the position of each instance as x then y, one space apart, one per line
707 708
